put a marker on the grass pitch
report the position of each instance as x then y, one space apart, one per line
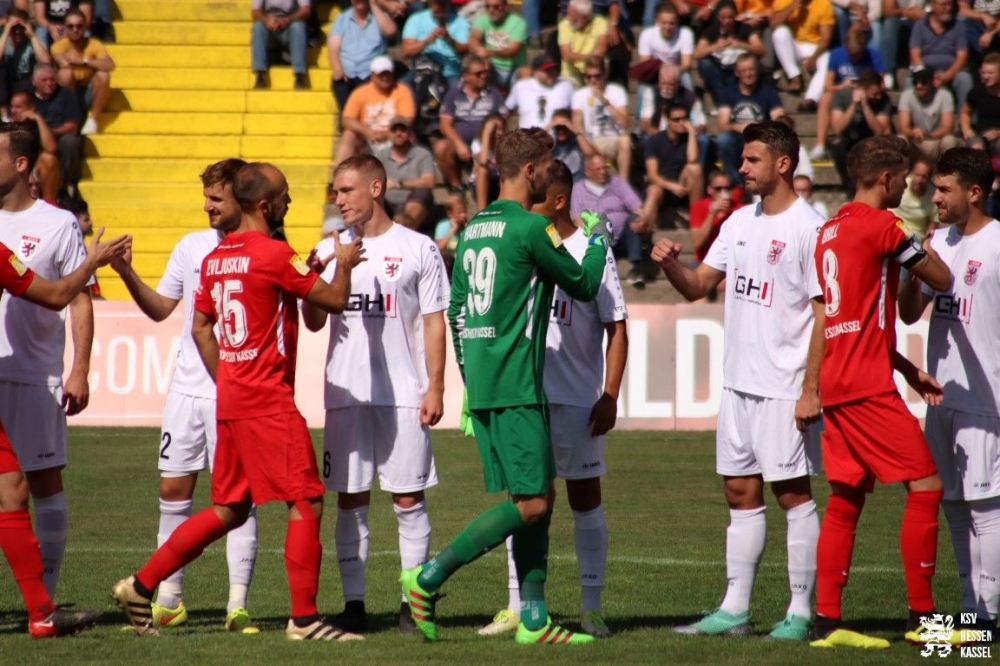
667 522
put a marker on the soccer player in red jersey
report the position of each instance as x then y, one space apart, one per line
869 432
249 286
19 148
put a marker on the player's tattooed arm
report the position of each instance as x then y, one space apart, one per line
203 332
921 382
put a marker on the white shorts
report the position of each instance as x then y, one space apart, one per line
578 454
188 435
966 449
36 424
358 441
757 435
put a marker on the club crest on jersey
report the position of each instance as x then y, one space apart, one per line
392 268
972 271
29 244
775 251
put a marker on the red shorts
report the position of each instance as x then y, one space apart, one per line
266 459
8 459
874 438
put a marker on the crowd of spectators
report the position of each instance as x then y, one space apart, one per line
647 100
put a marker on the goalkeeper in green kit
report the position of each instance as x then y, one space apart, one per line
506 266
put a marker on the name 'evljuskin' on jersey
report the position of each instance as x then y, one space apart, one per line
506 267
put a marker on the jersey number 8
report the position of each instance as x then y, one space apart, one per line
481 269
232 315
831 289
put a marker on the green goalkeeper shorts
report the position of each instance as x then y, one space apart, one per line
516 449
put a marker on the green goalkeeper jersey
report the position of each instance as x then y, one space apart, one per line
506 266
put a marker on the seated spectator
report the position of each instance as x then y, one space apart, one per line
602 192
85 68
370 108
861 15
449 230
439 34
802 32
845 64
620 38
916 210
59 108
938 41
409 172
581 35
600 111
537 97
982 24
101 26
669 42
980 116
898 19
756 15
748 100
927 116
485 178
803 186
696 13
279 22
20 49
571 145
501 36
463 111
22 107
857 114
368 30
50 16
709 212
654 102
720 46
673 174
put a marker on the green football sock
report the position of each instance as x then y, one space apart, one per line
531 549
483 534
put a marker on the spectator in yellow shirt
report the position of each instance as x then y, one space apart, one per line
581 35
803 30
84 68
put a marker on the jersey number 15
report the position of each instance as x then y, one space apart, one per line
231 313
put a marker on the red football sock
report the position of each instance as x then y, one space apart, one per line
20 546
303 553
187 542
834 551
918 545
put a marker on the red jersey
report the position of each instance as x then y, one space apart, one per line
249 284
858 256
15 277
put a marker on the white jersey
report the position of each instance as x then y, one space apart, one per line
536 103
377 355
32 338
652 43
963 350
180 281
574 346
597 118
770 281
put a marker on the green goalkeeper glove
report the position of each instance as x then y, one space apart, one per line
465 420
596 228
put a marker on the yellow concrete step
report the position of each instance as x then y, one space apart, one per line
187 171
150 78
182 196
202 147
123 216
184 10
196 101
168 56
183 33
291 101
183 124
276 148
289 124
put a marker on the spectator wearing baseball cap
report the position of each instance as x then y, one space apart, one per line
409 171
536 98
370 108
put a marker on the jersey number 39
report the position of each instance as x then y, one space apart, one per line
481 269
231 313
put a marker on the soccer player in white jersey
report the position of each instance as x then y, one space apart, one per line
188 435
963 432
583 407
384 380
34 400
768 428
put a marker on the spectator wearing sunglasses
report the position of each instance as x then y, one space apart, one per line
84 68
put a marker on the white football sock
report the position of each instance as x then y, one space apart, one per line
241 554
745 539
803 533
414 535
51 528
351 540
986 518
513 586
590 534
172 514
965 541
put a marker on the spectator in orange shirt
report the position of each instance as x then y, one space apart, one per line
84 68
370 108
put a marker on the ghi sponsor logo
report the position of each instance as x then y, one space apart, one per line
562 312
754 290
949 306
373 305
